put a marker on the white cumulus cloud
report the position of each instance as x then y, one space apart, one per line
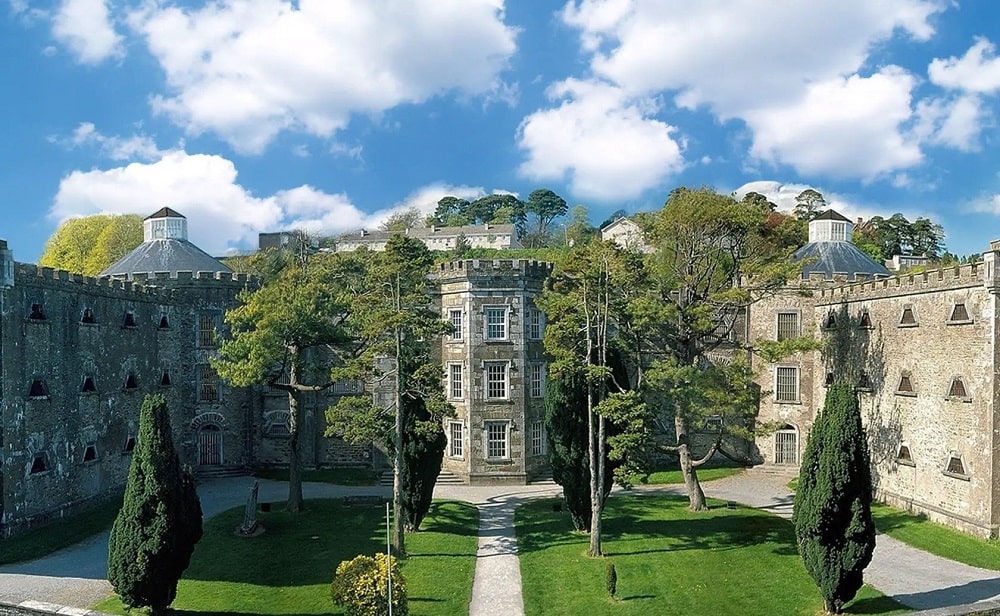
606 142
251 69
977 71
84 26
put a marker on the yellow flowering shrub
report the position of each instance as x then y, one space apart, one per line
361 586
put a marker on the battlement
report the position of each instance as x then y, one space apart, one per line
149 284
464 268
957 276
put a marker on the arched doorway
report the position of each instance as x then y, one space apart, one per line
209 445
786 445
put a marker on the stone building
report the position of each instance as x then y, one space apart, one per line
435 238
928 381
494 368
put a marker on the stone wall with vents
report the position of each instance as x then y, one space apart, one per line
928 389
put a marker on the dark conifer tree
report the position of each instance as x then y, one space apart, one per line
566 430
833 520
159 524
424 443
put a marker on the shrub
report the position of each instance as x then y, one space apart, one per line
159 524
360 586
611 578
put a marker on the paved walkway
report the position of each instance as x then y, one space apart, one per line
75 577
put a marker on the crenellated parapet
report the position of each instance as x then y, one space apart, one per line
476 268
36 275
951 277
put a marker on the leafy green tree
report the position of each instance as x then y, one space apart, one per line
578 227
88 245
581 302
155 532
283 335
834 529
808 204
394 327
451 212
884 238
545 206
399 222
712 260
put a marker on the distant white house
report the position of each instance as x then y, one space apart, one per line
436 238
625 233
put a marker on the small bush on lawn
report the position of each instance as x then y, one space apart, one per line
611 578
360 586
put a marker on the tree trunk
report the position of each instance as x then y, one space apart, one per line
295 502
595 476
696 496
397 463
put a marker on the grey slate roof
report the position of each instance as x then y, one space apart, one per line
831 258
172 255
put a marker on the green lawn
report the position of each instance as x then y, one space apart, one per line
671 561
936 538
337 476
288 569
704 474
60 534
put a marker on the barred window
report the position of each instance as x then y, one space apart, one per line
957 389
207 325
496 439
455 316
905 385
959 314
537 436
536 380
208 384
788 325
786 384
496 380
535 324
456 439
496 322
342 386
955 466
456 382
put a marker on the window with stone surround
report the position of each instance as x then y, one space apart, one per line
164 321
830 321
957 390
907 318
904 457
959 315
905 386
537 437
88 386
37 312
497 440
535 325
128 319
208 324
209 386
956 467
129 445
865 320
39 464
90 453
787 325
456 381
131 382
38 389
457 329
456 439
786 384
496 379
536 380
495 322
864 382
87 318
165 379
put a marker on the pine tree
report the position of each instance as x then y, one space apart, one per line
159 524
833 520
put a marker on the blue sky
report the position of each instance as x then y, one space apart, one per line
259 115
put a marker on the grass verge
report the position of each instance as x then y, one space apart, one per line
60 534
288 569
704 474
336 476
671 561
919 532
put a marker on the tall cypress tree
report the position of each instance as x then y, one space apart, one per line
159 524
834 529
424 442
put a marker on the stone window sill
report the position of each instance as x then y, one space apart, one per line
965 322
907 394
909 463
956 476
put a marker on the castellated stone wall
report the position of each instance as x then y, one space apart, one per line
494 369
928 404
78 356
